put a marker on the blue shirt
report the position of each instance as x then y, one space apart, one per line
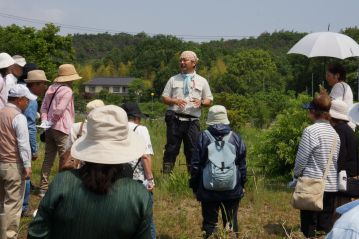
347 226
31 113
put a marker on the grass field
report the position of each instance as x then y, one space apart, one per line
265 211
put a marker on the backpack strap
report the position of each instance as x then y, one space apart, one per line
139 160
219 143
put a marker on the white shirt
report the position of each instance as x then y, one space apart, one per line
142 131
3 92
74 132
11 81
342 91
19 124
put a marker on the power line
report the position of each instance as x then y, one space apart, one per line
113 31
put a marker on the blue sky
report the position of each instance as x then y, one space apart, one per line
194 19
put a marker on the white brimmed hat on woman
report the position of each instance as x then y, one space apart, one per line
6 60
66 73
217 114
108 139
339 110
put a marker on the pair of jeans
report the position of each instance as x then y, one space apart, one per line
210 212
25 204
178 131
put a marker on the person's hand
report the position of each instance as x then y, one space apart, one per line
196 103
150 185
34 157
180 103
27 173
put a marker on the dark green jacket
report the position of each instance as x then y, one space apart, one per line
70 211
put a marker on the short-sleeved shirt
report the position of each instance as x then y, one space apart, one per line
141 130
342 91
199 89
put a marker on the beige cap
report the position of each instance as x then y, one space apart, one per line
93 105
217 114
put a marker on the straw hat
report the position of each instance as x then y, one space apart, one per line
217 114
353 113
6 60
66 73
339 110
108 139
36 76
93 105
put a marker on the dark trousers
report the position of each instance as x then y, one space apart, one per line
210 211
311 221
178 131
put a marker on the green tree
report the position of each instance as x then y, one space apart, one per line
44 47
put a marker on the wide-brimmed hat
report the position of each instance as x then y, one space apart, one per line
108 139
6 60
217 114
36 76
66 73
132 109
93 105
19 90
339 110
353 113
20 60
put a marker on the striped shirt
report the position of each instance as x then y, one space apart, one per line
313 153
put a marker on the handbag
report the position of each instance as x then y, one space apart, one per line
43 134
67 162
309 192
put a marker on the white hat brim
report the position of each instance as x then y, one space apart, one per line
109 152
337 115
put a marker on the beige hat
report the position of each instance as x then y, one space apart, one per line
190 55
217 114
36 76
108 139
339 110
66 73
93 105
20 60
6 60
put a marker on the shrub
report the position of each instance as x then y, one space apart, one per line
279 144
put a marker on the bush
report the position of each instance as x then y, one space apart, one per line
279 144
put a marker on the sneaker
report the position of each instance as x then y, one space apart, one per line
26 213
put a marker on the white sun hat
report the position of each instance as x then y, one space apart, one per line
339 110
6 60
108 139
217 114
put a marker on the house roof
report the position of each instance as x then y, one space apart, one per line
110 81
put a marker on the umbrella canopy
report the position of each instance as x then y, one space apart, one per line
326 44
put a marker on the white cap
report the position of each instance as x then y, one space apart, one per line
20 60
6 60
20 90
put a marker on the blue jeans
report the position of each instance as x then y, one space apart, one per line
25 205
